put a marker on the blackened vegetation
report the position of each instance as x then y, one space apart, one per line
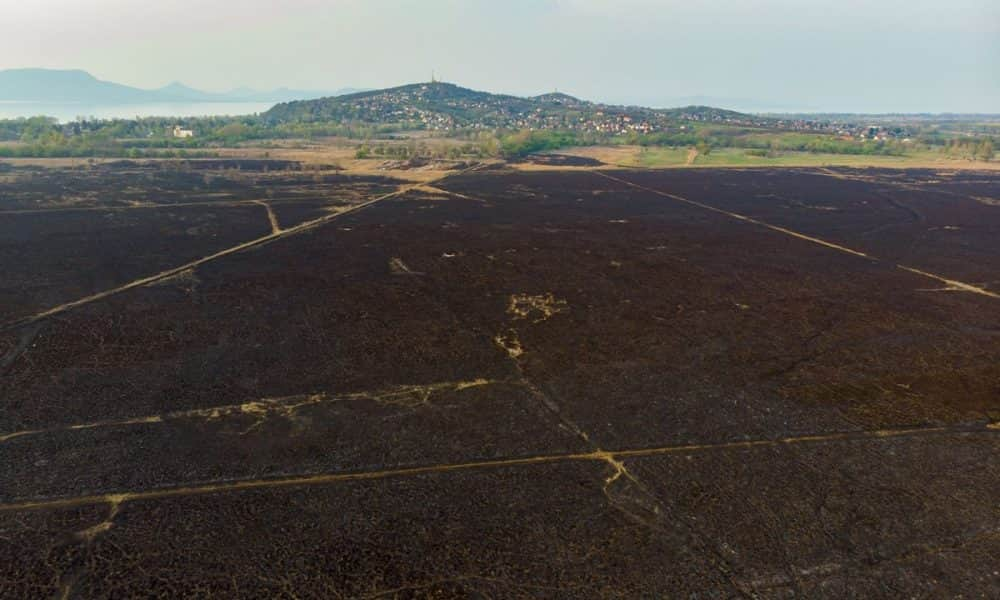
547 384
561 160
212 164
69 233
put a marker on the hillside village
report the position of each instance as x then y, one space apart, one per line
443 107
438 106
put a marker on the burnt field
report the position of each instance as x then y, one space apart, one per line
71 233
558 384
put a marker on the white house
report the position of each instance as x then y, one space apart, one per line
182 133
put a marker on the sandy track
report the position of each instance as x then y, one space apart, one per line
612 457
271 217
266 406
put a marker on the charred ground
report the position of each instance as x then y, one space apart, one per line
500 384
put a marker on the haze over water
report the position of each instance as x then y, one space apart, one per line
70 112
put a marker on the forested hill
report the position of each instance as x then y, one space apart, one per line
446 106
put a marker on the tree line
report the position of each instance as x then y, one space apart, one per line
152 137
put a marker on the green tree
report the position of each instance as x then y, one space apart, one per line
36 128
233 132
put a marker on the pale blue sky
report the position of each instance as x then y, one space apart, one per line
849 55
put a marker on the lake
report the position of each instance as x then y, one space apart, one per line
69 112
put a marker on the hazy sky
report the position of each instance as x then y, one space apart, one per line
851 55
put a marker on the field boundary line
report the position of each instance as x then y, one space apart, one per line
952 283
265 407
612 457
147 206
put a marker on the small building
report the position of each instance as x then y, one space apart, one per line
179 132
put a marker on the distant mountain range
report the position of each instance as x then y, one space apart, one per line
79 87
444 106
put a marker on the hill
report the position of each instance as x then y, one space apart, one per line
444 106
76 86
45 85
